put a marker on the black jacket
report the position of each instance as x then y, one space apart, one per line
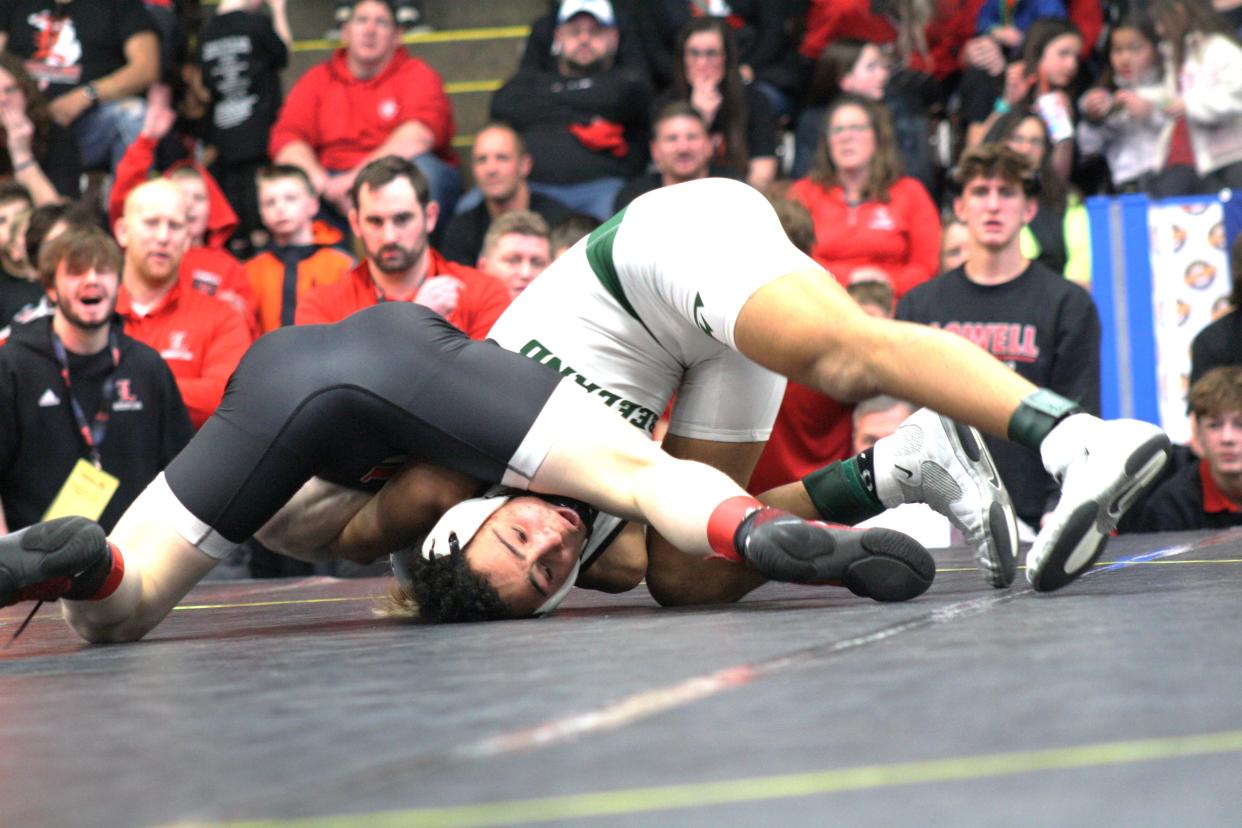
39 438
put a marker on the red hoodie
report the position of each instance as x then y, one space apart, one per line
344 119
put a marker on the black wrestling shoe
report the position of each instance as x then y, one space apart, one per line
873 563
40 562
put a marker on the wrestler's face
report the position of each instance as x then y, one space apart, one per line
516 259
994 211
526 550
153 232
1220 437
681 148
87 299
499 165
393 226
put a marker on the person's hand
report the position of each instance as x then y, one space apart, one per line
1175 108
984 53
18 131
1017 84
69 107
160 115
706 98
1009 36
1136 106
440 293
336 191
1097 103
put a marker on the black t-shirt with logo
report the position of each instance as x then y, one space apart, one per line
68 44
241 56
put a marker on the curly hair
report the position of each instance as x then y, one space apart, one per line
446 589
885 167
36 108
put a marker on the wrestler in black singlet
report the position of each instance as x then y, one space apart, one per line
350 403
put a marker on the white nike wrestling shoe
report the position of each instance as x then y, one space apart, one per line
1102 467
932 459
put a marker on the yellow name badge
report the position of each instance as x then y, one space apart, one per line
85 493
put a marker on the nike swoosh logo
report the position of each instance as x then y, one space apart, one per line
909 474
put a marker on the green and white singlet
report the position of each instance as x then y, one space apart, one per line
645 307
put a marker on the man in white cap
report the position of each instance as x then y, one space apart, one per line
584 124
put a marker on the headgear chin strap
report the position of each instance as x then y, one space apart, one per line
454 531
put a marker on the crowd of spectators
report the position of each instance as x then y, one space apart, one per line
239 209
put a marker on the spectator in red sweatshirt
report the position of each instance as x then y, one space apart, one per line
393 216
866 212
369 100
201 338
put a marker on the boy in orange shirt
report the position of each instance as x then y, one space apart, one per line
303 254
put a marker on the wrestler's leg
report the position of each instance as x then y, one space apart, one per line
677 579
806 327
160 568
598 458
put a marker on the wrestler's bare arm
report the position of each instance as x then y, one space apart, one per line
406 507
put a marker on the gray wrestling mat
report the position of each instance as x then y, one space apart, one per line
1117 701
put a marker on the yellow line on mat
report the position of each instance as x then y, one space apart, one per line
180 607
866 777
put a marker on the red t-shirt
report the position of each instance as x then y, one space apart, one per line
479 304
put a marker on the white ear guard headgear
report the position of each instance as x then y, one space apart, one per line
454 531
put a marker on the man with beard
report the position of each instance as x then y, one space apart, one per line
76 392
393 215
681 150
584 123
200 337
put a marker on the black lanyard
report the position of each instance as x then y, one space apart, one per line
92 433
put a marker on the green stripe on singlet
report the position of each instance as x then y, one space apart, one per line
599 257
